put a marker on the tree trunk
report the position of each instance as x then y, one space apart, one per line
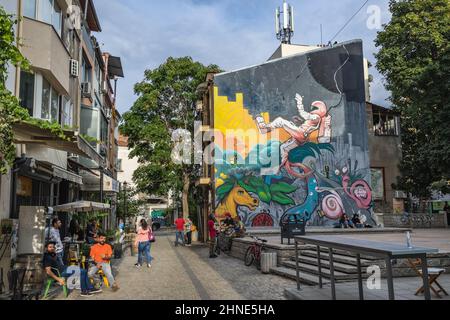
186 185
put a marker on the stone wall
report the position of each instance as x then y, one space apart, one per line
422 221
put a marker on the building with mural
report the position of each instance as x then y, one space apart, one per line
290 138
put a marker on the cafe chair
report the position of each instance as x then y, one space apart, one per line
50 282
433 276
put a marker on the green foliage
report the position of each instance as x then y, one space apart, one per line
10 110
277 192
54 127
414 58
128 204
166 103
89 138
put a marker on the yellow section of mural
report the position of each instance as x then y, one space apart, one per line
232 115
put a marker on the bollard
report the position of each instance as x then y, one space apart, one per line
268 261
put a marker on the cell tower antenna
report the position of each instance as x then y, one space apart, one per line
284 23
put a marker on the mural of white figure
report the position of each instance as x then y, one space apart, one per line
316 120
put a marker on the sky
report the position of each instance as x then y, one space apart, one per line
230 33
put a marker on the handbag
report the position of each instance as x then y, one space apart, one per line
151 237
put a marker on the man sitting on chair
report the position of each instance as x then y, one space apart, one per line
102 253
58 272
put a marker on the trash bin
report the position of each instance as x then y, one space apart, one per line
292 225
268 261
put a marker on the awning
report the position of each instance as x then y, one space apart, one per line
25 133
115 66
91 182
82 206
67 175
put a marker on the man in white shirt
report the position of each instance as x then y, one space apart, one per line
53 235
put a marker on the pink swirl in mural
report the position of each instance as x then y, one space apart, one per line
360 192
332 206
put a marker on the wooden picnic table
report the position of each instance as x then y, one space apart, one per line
383 250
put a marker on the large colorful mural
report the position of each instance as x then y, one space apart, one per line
291 138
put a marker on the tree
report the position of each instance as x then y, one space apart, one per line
10 110
166 104
414 58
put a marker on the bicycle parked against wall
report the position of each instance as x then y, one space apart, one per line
254 252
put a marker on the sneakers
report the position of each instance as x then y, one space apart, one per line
95 291
137 265
115 287
86 294
149 265
213 257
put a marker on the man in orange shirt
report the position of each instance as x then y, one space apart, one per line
102 253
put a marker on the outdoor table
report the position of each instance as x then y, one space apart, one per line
383 250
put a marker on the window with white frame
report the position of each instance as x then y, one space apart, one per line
47 11
39 97
66 112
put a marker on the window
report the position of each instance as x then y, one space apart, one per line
89 123
104 130
29 8
119 164
27 91
386 124
57 17
50 102
67 112
47 11
86 71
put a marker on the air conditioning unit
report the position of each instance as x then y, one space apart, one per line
74 68
400 195
86 90
109 114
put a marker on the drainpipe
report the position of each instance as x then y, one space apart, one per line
19 36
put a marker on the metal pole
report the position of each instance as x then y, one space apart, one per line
360 280
296 265
390 279
333 281
319 263
101 184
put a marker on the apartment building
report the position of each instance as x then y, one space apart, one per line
71 82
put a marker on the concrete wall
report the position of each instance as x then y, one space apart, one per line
128 166
327 172
47 53
385 153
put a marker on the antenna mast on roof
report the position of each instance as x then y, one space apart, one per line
284 23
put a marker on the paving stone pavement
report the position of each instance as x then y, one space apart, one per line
186 273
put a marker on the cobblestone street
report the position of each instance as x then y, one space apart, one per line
188 274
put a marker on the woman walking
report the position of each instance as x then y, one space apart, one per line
143 242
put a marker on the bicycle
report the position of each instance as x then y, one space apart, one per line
254 252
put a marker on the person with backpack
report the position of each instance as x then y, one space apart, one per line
143 242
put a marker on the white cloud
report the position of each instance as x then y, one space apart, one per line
232 33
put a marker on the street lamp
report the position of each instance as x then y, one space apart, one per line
125 204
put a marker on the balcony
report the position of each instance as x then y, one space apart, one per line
46 52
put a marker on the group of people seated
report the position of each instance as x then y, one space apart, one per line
101 254
236 227
355 223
